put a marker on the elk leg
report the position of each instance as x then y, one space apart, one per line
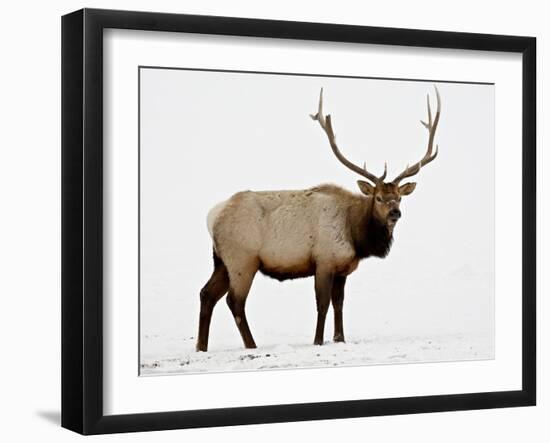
236 305
337 304
323 290
240 283
214 289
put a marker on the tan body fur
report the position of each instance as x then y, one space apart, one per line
288 234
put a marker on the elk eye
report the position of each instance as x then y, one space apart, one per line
378 198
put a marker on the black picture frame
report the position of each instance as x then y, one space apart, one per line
82 220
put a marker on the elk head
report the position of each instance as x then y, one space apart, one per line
385 196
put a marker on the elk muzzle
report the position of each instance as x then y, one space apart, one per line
394 215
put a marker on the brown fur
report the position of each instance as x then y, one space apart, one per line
322 232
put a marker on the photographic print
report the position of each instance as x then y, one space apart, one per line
270 203
300 221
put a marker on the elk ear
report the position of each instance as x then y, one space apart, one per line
365 187
407 188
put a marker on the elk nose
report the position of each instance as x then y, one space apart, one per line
395 214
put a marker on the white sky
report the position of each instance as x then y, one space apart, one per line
207 135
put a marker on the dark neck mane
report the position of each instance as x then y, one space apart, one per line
370 237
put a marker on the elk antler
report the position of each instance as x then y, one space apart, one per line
326 124
428 157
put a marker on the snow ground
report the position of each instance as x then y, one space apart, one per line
177 355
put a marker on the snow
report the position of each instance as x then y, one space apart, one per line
177 355
384 324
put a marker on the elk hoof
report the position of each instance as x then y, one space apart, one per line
201 348
339 339
318 342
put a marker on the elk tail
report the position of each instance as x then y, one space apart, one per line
213 216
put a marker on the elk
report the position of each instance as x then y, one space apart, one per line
322 232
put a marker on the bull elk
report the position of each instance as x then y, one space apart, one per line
322 232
